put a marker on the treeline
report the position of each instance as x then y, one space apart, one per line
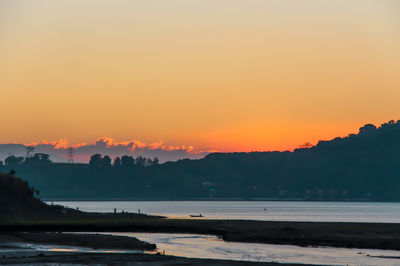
98 161
36 159
363 166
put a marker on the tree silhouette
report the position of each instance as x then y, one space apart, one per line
127 161
95 161
140 161
37 159
155 161
13 161
117 162
106 162
305 145
368 129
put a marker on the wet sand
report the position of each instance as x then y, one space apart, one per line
12 254
334 234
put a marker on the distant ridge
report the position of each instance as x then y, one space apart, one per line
363 166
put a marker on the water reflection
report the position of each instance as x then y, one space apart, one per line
205 246
386 212
31 247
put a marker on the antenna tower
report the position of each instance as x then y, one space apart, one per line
70 153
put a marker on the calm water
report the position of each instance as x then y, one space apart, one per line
255 210
202 246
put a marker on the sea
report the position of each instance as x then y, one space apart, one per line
207 246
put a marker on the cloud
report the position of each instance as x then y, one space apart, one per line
106 146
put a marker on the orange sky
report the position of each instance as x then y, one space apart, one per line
227 75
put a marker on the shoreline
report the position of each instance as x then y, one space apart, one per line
90 240
48 200
60 230
119 250
333 234
125 259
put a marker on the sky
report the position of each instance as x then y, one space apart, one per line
222 75
58 150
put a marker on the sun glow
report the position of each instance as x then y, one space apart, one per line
198 75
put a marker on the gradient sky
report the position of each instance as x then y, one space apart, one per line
216 74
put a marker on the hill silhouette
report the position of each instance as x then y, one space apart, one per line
15 194
362 166
18 199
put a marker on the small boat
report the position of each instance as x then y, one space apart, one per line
196 215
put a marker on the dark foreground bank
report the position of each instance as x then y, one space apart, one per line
121 259
96 241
